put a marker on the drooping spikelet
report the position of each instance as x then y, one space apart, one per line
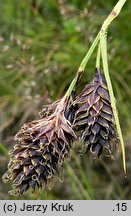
69 111
94 116
42 147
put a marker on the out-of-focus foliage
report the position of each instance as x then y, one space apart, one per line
41 46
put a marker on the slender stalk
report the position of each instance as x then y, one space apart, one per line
114 13
88 55
103 42
116 10
82 66
98 57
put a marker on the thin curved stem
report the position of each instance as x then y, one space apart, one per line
103 42
114 13
98 57
82 66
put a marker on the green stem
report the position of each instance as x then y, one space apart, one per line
82 66
116 10
103 42
98 57
88 55
114 13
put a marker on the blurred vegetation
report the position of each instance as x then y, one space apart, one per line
41 46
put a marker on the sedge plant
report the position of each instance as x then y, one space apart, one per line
101 42
44 144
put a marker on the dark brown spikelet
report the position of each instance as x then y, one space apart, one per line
69 109
94 116
41 148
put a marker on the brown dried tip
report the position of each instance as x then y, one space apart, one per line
94 117
42 146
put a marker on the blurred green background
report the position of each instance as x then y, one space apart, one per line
42 43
